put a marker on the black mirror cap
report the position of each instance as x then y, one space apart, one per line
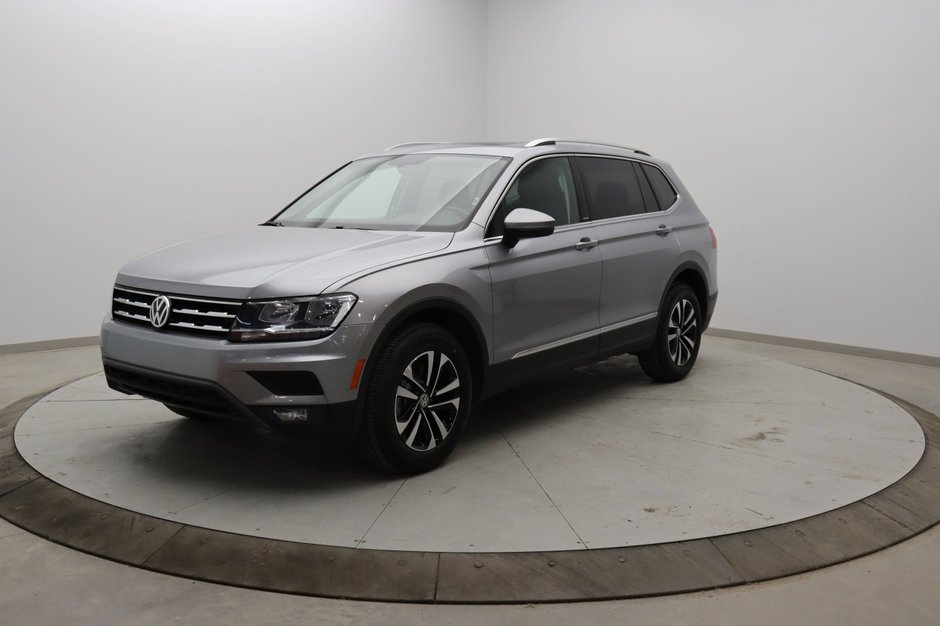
525 224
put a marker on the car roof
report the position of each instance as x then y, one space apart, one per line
546 145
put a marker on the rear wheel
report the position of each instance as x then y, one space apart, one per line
678 336
417 401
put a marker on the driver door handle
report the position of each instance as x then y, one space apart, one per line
586 243
662 230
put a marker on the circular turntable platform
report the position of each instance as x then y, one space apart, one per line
583 467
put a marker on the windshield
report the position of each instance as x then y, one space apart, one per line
436 192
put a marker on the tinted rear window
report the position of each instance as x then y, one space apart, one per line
611 187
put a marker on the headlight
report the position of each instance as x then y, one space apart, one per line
291 319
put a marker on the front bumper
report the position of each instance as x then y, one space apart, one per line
214 376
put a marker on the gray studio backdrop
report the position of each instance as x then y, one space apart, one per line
806 130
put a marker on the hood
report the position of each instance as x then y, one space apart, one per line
272 262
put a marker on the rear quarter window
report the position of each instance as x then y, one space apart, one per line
662 188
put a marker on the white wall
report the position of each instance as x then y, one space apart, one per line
128 125
807 131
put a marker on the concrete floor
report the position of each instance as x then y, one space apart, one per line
41 582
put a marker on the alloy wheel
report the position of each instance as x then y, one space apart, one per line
427 401
682 332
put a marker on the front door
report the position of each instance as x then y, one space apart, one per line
546 289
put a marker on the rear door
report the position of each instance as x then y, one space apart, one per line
639 251
546 289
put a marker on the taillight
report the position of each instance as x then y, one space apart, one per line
711 231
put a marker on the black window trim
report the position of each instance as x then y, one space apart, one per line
646 189
668 182
637 216
582 203
605 220
582 208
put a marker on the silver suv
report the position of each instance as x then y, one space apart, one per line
405 286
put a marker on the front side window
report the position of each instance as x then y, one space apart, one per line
611 187
545 185
411 192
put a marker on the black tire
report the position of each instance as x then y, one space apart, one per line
417 400
673 353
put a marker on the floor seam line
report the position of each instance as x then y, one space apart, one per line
36 397
888 515
163 545
205 499
550 499
437 577
384 508
724 556
28 481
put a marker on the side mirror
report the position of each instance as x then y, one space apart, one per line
524 224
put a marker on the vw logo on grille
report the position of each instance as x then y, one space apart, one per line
160 311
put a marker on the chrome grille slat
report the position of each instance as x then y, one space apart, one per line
144 305
205 313
133 316
189 315
198 326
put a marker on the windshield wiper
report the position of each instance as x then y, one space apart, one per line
270 223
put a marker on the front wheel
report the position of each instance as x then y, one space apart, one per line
417 401
678 337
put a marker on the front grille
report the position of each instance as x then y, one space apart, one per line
193 316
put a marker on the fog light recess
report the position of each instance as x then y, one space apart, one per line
290 415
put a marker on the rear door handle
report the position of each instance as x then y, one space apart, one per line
586 243
662 230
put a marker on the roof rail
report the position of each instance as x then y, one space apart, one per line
415 143
551 141
544 141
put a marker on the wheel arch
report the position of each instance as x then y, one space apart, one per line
448 314
693 275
